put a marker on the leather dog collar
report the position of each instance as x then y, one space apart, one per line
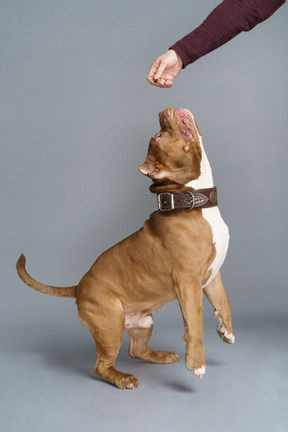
201 198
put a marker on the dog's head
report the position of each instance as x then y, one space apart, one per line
174 153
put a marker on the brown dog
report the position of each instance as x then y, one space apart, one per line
176 255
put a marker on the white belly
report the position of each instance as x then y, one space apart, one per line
220 239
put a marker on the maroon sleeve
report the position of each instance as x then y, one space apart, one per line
225 22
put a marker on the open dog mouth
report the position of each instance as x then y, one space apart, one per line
183 119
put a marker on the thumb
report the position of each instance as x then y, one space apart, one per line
161 68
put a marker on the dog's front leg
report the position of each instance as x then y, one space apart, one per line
190 296
217 296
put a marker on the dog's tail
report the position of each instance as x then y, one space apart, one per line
38 286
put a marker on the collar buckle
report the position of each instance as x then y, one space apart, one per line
166 201
159 199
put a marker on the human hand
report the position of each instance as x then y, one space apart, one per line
164 69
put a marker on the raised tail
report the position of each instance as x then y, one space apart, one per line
38 286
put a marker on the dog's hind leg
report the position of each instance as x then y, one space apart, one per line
105 320
217 296
138 349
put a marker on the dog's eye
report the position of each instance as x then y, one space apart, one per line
158 136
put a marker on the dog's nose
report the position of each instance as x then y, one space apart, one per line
147 169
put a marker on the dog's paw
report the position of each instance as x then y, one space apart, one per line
121 380
172 358
222 331
127 382
163 357
160 357
200 372
195 359
225 336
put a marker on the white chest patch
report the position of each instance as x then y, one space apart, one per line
220 239
212 215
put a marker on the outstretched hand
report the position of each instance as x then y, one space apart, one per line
164 69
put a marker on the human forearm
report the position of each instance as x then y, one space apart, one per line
226 21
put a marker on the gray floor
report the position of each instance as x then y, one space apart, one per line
48 382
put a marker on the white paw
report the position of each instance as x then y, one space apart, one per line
229 337
222 331
225 336
200 372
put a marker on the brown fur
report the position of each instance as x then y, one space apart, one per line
38 286
167 259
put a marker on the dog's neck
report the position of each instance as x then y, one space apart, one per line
205 180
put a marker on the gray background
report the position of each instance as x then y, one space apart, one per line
76 118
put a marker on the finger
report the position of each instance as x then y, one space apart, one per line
152 80
152 71
169 83
165 82
161 68
162 83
